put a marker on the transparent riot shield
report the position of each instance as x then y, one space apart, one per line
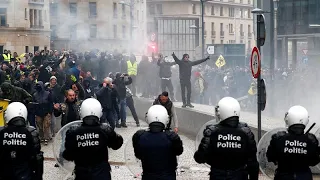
267 168
200 134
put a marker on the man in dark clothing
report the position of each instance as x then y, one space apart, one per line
163 99
185 67
108 98
165 74
44 102
88 91
121 81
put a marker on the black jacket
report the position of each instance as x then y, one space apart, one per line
222 158
108 97
165 68
185 67
91 161
121 84
20 161
64 109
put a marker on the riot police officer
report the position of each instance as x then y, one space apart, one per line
229 146
20 155
157 148
294 151
87 144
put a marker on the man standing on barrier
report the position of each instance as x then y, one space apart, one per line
294 151
20 155
185 67
157 149
87 144
229 146
163 99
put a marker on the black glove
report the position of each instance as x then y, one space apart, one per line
208 58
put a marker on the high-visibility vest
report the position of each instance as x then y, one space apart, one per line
132 68
6 57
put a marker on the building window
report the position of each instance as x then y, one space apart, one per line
92 9
123 6
212 26
212 41
36 48
194 10
241 1
152 9
249 13
231 12
115 10
221 11
93 31
1 49
3 17
73 9
249 44
221 41
124 31
249 29
35 18
115 32
241 29
26 49
241 13
73 32
159 8
212 10
241 41
45 15
54 9
230 28
53 31
221 26
25 13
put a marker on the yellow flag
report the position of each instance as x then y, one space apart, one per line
220 61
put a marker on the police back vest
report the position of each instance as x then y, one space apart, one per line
132 68
6 57
293 151
229 148
16 144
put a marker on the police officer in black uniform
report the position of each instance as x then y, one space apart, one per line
229 146
294 151
20 155
87 145
157 149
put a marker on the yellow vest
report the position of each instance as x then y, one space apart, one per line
132 68
6 57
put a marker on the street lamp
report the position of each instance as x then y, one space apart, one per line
131 5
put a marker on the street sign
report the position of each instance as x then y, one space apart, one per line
220 61
255 62
261 29
210 50
305 51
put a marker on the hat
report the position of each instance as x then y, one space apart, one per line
53 77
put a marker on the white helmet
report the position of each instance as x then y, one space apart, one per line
296 115
157 113
227 107
90 107
15 109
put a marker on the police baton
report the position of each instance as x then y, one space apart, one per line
310 128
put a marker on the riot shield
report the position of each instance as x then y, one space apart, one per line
267 168
58 147
200 134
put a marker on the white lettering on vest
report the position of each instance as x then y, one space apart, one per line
229 141
88 139
14 139
295 147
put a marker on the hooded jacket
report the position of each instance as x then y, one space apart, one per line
43 99
171 111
